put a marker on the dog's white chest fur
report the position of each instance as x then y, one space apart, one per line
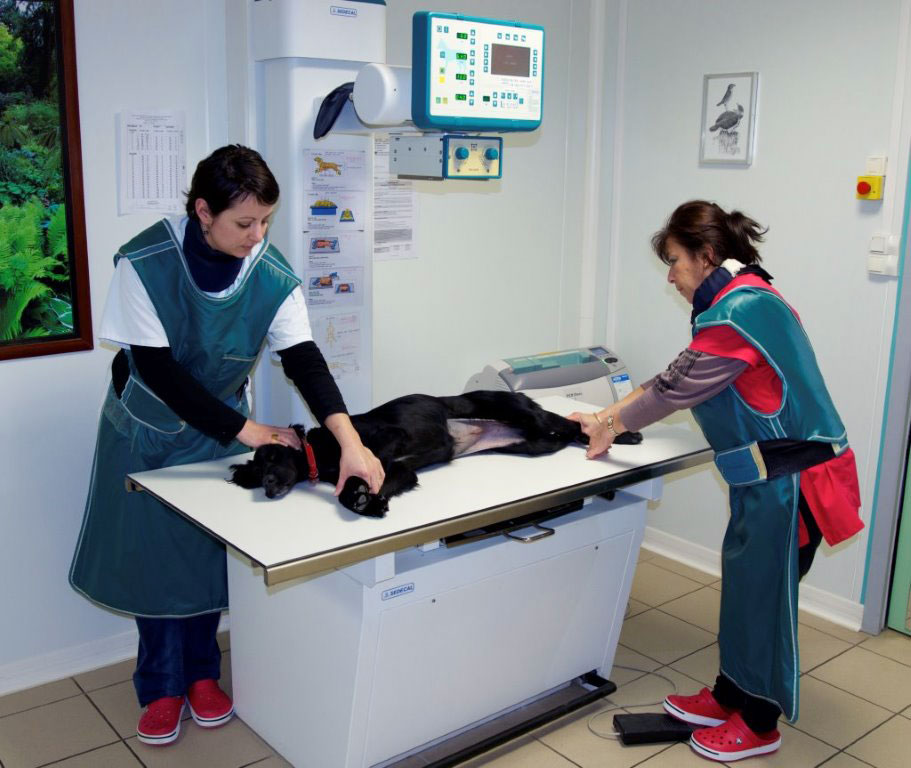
473 435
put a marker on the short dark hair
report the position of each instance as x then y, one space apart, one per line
699 223
230 174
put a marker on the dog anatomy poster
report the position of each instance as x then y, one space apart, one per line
339 338
335 196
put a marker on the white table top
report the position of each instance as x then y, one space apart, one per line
309 531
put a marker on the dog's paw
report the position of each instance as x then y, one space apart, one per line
356 496
629 438
378 506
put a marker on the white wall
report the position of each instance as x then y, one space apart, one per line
498 274
130 55
504 267
499 261
822 110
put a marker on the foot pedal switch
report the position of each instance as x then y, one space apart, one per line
651 728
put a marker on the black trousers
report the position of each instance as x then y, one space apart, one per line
759 714
174 653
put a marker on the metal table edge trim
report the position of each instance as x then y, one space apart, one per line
365 550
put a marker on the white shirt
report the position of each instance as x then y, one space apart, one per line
130 317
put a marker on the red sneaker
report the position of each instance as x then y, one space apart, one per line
160 723
209 704
701 709
733 740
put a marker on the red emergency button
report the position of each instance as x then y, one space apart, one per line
863 188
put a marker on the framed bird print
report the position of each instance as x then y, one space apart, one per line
728 118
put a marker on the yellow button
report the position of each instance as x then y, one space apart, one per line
442 79
869 187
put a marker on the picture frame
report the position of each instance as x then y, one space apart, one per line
729 105
44 277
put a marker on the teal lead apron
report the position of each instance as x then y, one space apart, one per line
758 628
135 554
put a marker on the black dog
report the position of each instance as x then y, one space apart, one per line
412 432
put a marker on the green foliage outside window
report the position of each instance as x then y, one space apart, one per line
35 280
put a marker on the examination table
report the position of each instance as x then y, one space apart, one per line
416 639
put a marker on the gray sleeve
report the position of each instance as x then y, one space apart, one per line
689 380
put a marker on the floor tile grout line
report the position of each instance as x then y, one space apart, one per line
823 663
79 685
76 754
261 760
104 717
859 738
673 661
678 597
681 575
882 655
835 746
685 621
659 752
557 752
38 706
845 690
842 752
105 687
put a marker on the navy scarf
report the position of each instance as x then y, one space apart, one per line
211 270
717 280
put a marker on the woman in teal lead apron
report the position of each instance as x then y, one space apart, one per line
191 302
753 384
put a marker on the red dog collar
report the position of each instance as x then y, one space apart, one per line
313 474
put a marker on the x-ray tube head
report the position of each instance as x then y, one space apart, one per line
382 94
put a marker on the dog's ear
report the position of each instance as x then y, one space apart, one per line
301 431
249 475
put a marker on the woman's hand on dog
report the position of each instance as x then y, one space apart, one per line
599 438
254 434
359 461
356 460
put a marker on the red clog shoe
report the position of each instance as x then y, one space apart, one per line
160 723
209 704
701 709
733 740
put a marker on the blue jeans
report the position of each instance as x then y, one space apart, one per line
174 653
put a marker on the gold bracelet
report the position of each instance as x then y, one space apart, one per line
610 426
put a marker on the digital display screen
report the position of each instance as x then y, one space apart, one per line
462 35
462 56
460 97
461 77
509 60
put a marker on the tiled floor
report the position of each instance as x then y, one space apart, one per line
855 700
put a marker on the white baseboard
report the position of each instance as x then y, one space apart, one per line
839 610
826 605
37 670
66 662
683 551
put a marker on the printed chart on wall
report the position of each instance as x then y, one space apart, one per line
334 281
393 208
152 173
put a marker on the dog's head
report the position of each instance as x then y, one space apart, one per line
275 468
